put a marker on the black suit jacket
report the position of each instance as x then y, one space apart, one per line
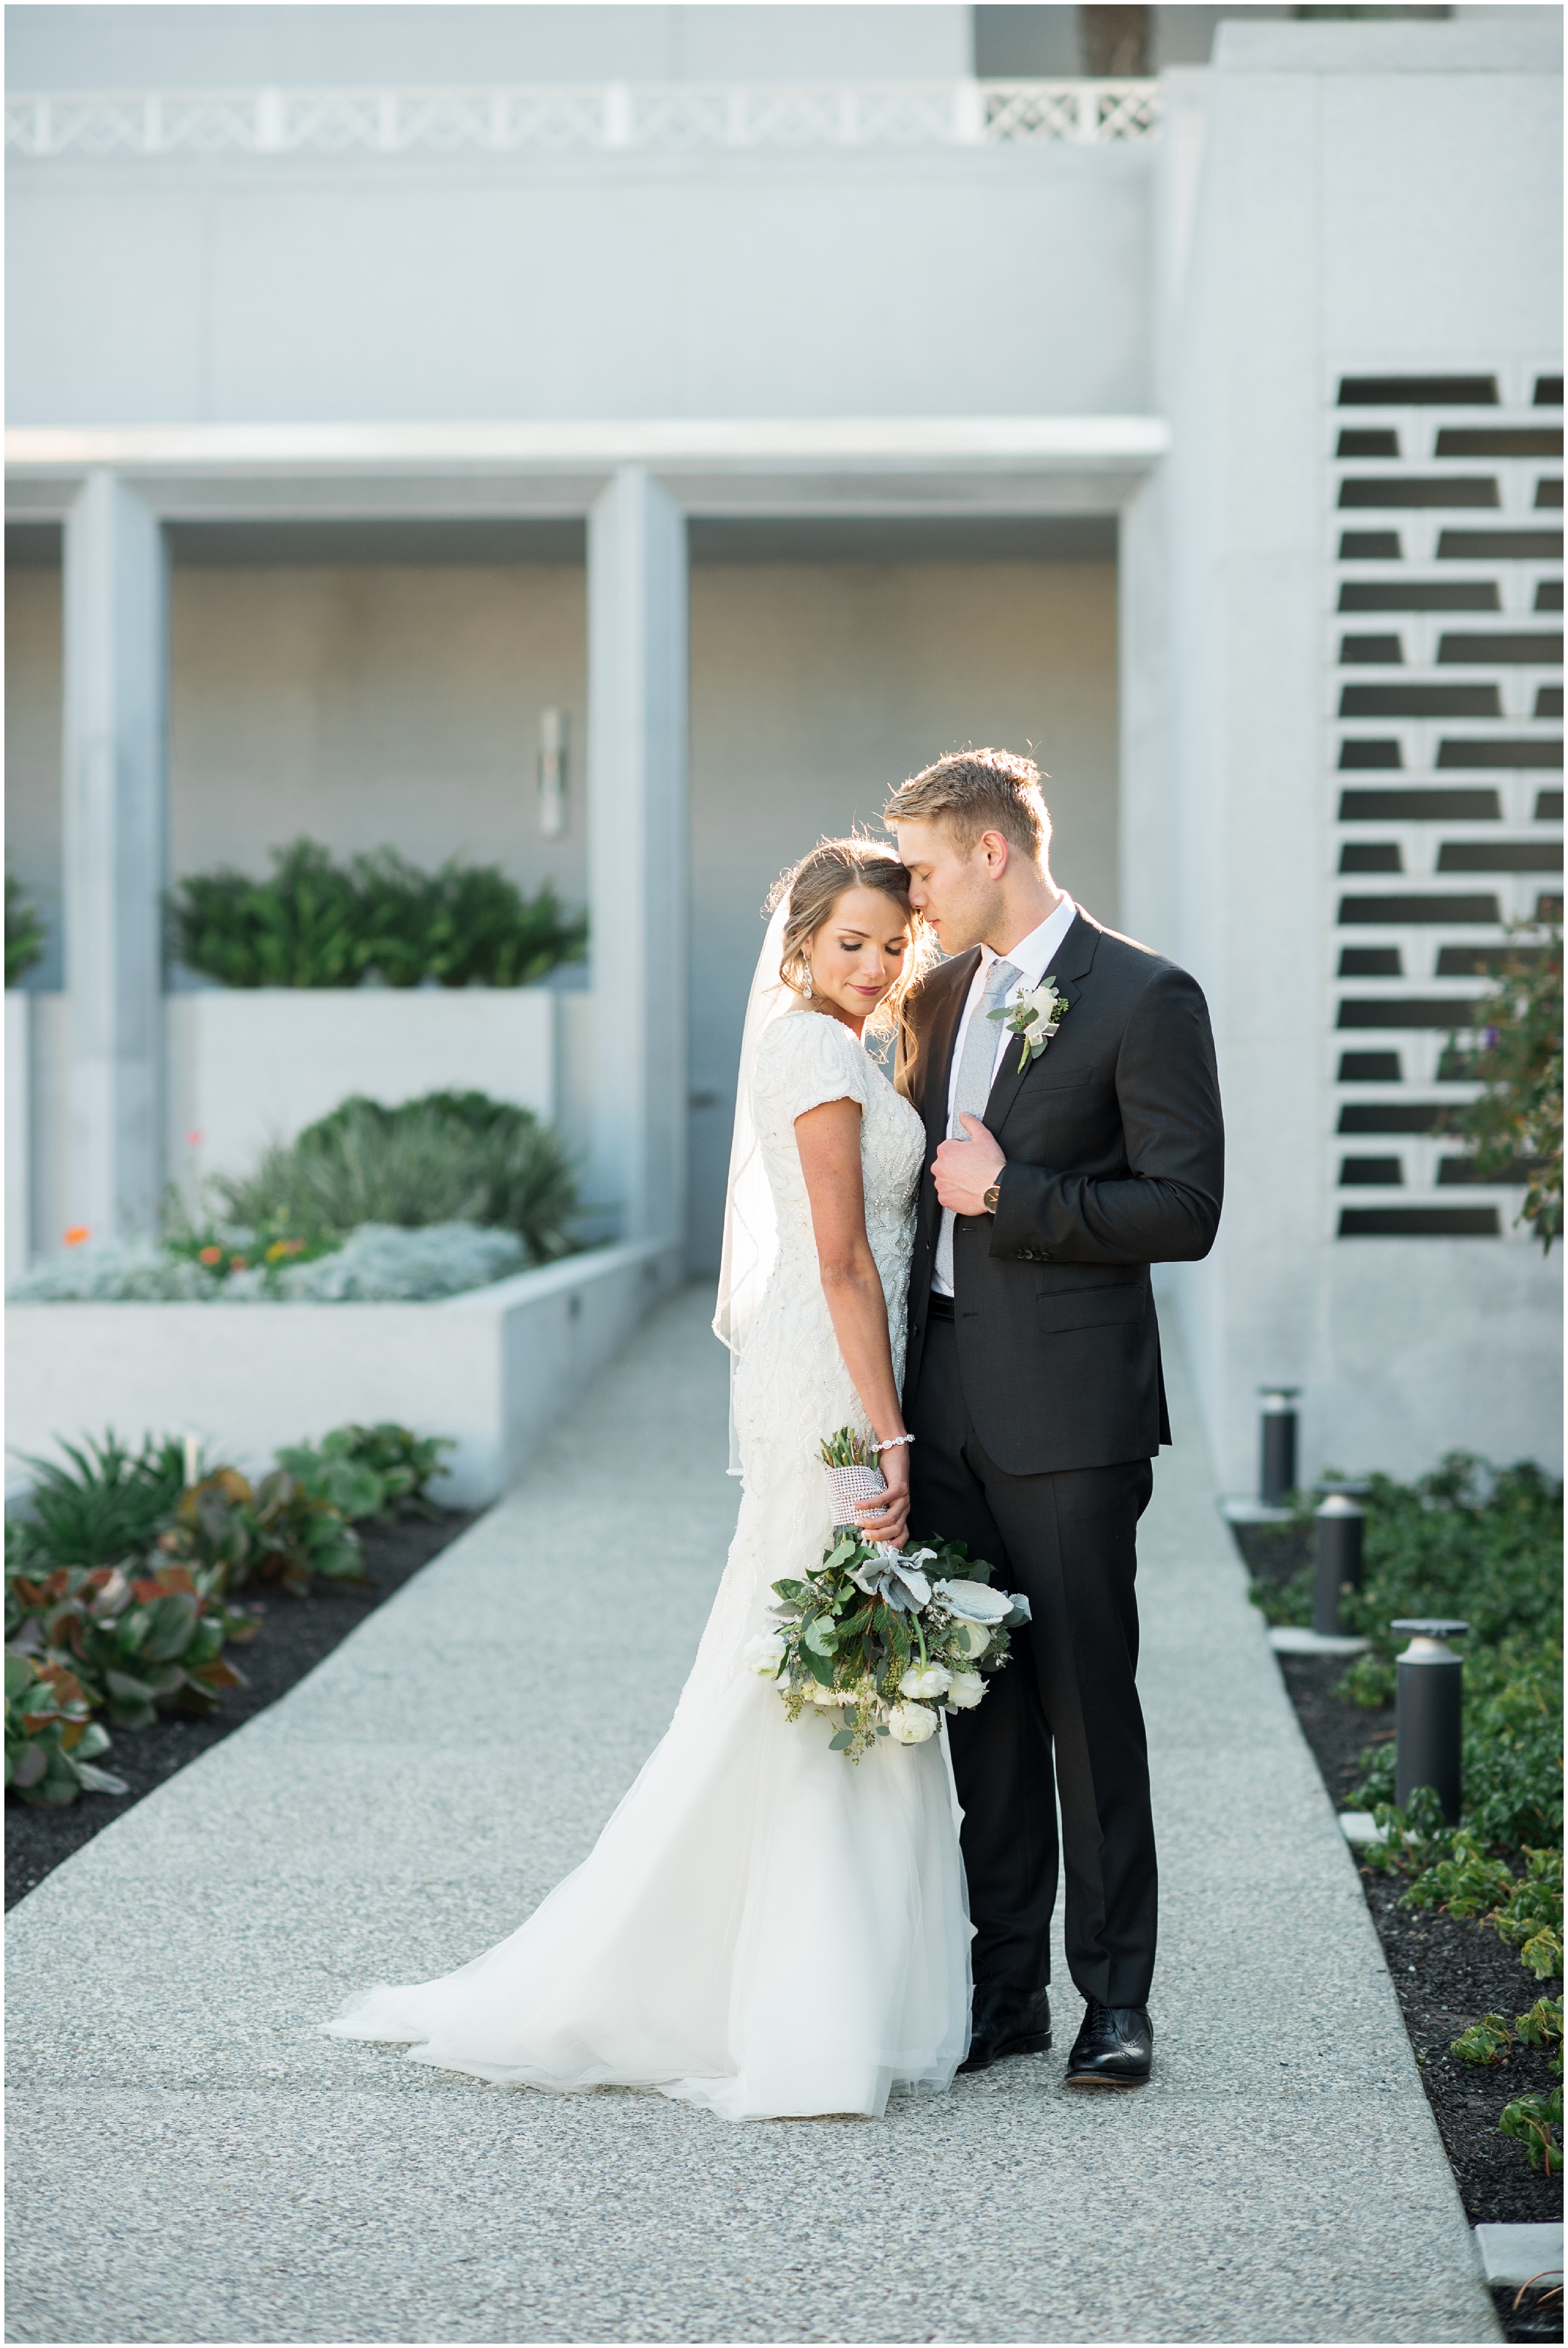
1115 1151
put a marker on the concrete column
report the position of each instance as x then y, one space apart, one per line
114 759
637 691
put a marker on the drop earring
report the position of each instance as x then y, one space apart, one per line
808 981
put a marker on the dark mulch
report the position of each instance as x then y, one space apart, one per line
295 1635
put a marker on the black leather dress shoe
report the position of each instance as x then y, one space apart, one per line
1006 2022
1115 2047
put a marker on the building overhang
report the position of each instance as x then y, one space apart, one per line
878 465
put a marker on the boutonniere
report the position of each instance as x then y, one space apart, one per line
1033 1016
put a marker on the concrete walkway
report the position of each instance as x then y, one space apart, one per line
192 2162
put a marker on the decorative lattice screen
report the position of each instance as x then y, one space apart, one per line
1445 663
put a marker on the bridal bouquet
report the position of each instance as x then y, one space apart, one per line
888 1639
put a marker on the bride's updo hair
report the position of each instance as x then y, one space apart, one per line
813 886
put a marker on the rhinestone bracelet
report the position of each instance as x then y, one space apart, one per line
893 1443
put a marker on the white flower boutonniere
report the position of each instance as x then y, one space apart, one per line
1033 1016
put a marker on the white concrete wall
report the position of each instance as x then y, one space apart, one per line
932 281
1331 199
220 47
816 689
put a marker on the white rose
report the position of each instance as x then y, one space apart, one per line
825 1698
911 1724
924 1680
764 1654
979 1637
965 1690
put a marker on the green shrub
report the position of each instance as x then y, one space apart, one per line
318 924
270 1531
137 1645
107 1506
24 932
1515 1126
52 1742
378 1471
445 1159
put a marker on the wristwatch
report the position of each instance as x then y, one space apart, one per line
990 1198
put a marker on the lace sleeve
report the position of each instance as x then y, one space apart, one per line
806 1059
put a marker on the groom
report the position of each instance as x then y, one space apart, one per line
1053 1180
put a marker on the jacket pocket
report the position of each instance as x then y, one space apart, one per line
1091 1308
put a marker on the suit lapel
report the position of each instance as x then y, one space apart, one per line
1071 963
944 1028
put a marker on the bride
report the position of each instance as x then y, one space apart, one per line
763 1928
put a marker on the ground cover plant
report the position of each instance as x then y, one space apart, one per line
314 923
1483 1546
121 1581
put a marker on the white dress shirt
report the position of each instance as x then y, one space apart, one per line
1032 958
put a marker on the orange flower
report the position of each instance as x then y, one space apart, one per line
238 1263
209 1255
77 1234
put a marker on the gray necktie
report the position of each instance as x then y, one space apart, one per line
973 1087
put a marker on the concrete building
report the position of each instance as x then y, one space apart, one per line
786 395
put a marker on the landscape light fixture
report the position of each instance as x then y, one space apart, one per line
1340 1527
1277 1474
552 773
1428 1704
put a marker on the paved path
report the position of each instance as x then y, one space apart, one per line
192 2162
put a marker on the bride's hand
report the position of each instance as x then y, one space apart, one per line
888 1520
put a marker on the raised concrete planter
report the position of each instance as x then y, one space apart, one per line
245 1067
250 1066
494 1368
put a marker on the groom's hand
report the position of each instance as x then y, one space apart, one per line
965 1171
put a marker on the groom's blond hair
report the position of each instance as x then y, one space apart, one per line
975 791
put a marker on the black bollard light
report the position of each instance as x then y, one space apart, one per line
1278 1465
1340 1525
1430 1693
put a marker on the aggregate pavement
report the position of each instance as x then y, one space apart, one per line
190 2161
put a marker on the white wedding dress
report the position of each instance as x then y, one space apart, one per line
763 1928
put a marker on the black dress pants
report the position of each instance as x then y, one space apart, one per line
1068 1541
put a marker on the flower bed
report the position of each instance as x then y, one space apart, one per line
1471 1919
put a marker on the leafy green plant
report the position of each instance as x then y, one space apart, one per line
1515 1127
443 1158
24 932
138 1644
462 925
1537 2122
370 1472
108 1504
300 928
273 1531
52 1742
315 924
